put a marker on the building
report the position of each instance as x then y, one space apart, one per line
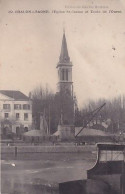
65 86
15 112
64 96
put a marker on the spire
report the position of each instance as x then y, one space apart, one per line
64 56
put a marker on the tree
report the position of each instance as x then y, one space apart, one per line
114 110
43 100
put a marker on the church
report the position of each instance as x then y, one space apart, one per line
64 97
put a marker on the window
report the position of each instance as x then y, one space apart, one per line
107 155
17 116
25 129
25 116
6 115
63 74
26 106
6 106
66 74
18 131
17 106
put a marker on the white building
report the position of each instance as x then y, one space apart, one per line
15 112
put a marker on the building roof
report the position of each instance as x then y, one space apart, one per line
36 133
64 56
17 95
116 147
89 132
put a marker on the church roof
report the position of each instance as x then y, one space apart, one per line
64 56
17 95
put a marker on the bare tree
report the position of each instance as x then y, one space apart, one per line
114 110
43 100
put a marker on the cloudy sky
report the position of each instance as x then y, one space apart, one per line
31 42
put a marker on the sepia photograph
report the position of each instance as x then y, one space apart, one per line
62 96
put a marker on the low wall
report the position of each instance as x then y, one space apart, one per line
48 149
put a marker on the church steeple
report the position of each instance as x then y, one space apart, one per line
65 85
64 56
64 68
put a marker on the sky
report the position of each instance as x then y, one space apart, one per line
31 43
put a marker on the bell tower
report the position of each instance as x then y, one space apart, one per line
65 86
64 67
